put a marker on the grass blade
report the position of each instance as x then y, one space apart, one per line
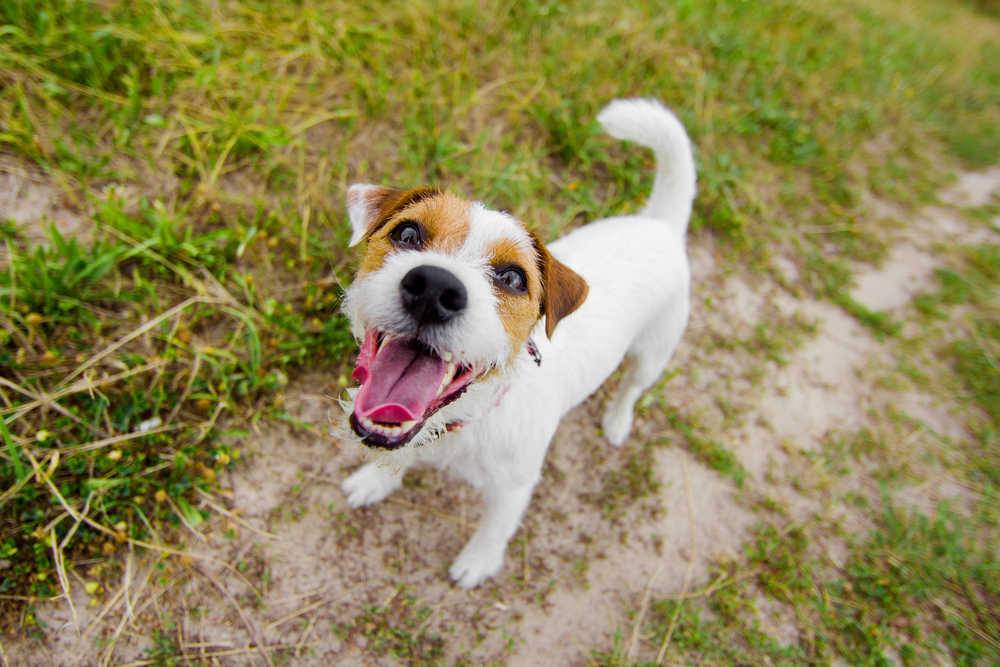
12 448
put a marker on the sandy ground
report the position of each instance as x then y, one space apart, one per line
573 572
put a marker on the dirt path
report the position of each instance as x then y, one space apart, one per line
576 569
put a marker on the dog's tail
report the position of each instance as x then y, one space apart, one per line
650 124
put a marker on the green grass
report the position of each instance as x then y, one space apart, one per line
917 585
395 629
916 566
209 144
973 282
713 453
772 338
831 278
108 442
624 486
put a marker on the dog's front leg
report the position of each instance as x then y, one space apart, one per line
483 556
371 484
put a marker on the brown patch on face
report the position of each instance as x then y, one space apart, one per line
443 219
519 312
382 203
563 290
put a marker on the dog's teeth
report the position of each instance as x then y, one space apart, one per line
446 356
385 339
388 431
449 375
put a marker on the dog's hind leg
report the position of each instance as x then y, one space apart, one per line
644 363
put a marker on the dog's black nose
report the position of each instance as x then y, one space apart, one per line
432 295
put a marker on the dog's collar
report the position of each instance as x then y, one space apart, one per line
456 426
533 351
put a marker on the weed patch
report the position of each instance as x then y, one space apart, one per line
915 587
623 487
831 279
120 384
395 629
712 452
773 338
973 354
920 583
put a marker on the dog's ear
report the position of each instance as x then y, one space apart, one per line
563 291
370 206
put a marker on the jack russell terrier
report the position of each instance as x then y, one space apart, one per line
477 338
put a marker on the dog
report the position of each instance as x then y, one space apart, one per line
476 338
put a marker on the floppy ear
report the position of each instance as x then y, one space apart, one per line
370 206
563 291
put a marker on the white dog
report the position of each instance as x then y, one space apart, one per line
463 365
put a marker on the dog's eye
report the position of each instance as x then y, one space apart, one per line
513 278
407 234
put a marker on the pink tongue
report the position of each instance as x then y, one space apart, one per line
398 385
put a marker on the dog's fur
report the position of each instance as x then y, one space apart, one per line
524 347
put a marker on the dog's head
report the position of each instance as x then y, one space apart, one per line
446 296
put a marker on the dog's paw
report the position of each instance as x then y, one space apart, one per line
475 565
369 485
616 426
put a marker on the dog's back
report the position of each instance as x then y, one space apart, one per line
637 267
639 300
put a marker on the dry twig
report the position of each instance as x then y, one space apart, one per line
250 626
309 607
643 607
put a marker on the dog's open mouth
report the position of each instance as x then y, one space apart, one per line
402 384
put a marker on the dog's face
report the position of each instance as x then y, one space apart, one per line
446 295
